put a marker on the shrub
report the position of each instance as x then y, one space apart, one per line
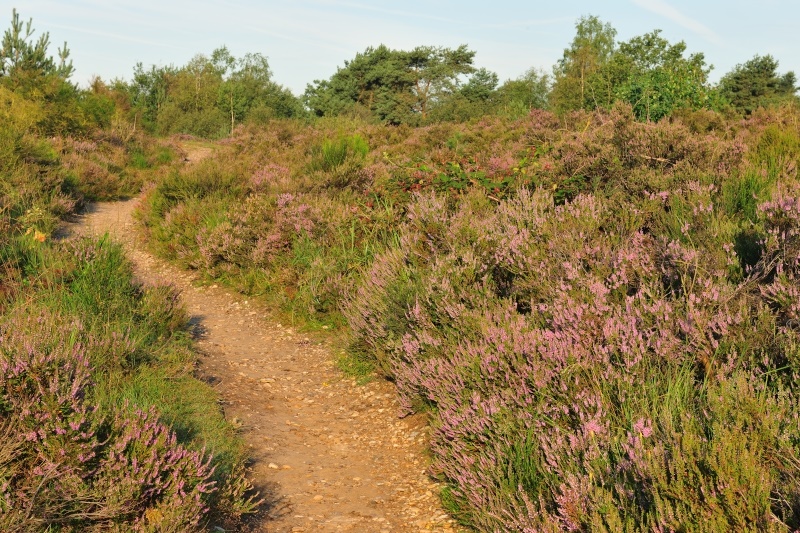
102 427
598 315
579 375
69 464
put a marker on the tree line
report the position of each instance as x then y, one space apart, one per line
208 96
212 94
648 72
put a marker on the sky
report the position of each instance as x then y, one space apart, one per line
306 40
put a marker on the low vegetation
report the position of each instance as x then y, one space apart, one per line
102 425
595 312
596 305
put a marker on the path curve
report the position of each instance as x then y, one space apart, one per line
329 455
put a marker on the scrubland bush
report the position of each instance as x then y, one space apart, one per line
42 181
598 314
102 426
106 167
599 365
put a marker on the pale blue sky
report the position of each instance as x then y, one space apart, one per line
308 39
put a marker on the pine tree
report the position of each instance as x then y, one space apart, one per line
756 84
21 56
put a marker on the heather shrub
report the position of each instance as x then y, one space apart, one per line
105 167
255 232
610 152
598 315
35 191
74 466
333 153
358 173
104 426
181 203
781 244
44 180
208 179
339 163
268 215
587 375
270 176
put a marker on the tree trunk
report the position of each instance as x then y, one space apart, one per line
232 115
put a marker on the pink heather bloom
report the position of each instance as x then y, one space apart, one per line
643 427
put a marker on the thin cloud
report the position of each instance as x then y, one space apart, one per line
530 22
434 18
659 7
116 36
300 38
393 12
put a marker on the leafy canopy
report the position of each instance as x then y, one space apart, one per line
651 74
757 83
209 95
655 78
393 86
576 84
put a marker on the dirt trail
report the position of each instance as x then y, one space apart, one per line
328 455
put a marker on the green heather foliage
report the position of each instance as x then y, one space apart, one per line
102 425
598 314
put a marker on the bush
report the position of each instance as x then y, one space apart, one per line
70 464
613 355
598 315
102 427
598 364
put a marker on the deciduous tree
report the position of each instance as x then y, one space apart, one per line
210 95
575 82
650 73
656 78
529 91
148 91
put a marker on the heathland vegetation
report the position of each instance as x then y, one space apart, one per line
102 425
587 279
